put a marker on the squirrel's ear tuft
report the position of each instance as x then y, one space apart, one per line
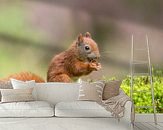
80 38
87 34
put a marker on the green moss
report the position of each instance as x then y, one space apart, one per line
141 83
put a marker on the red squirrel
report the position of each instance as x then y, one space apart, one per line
80 59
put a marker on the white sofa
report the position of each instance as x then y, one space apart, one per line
57 108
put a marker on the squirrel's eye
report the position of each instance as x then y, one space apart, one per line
87 48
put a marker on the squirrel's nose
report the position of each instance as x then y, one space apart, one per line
93 56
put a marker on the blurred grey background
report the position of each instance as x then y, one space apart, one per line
33 31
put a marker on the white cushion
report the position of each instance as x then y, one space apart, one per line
80 109
57 92
17 84
16 95
26 109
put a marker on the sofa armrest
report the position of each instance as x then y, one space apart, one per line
128 112
127 119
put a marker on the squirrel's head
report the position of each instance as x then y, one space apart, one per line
87 48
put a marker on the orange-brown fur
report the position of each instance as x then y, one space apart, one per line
66 65
73 62
24 76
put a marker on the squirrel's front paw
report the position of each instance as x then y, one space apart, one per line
95 66
98 66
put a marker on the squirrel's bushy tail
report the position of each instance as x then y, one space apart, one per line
25 76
